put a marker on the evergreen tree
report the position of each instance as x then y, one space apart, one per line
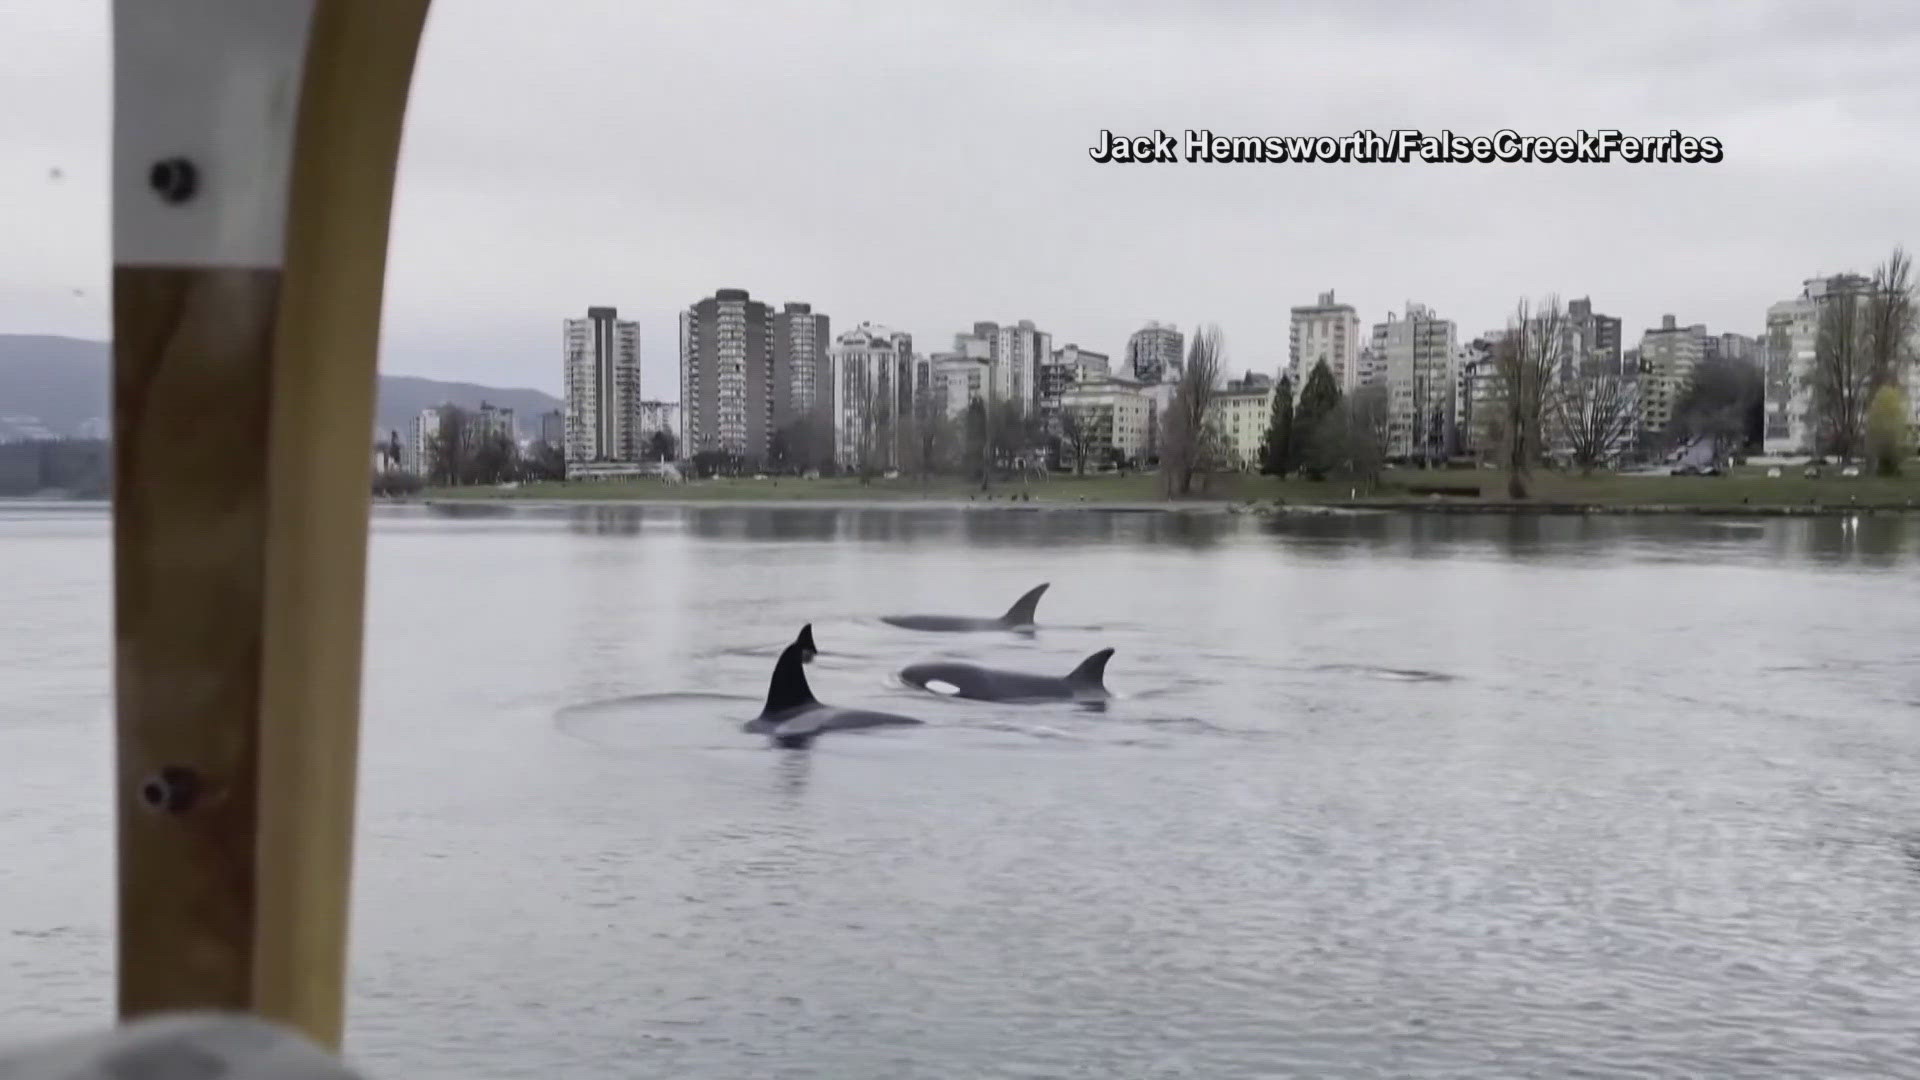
1319 400
1276 453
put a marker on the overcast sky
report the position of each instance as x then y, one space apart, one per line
925 165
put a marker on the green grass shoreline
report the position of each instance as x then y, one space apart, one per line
1747 491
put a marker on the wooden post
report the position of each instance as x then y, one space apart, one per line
254 150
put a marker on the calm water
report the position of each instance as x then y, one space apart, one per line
1385 796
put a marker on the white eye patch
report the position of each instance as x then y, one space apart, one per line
940 686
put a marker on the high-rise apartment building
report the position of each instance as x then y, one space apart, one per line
1325 331
872 396
958 380
1021 351
1014 353
1415 356
801 339
1668 355
726 377
1154 353
601 354
747 371
1593 341
1477 396
1793 335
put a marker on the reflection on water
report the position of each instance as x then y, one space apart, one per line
1873 539
1401 795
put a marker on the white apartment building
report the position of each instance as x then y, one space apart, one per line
1325 331
1114 416
1413 357
1242 414
601 354
418 451
1015 355
871 380
1016 363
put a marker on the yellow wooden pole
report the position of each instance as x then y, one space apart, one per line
254 146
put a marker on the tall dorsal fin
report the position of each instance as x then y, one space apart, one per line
1092 672
805 641
1021 613
789 688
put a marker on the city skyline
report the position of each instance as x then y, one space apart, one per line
1803 103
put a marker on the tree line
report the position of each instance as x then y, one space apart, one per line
460 451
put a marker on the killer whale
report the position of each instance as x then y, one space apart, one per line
808 650
1084 683
1018 617
794 717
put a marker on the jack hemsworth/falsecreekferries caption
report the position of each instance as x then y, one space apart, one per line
1403 146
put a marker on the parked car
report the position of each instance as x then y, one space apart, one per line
1851 470
1773 472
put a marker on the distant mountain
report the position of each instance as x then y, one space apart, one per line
61 383
403 396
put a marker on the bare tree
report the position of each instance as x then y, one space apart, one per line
872 438
1369 429
1524 361
450 449
1890 320
1184 452
1594 412
1072 429
1843 373
932 434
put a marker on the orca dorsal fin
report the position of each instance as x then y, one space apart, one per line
805 641
1021 613
1092 672
789 688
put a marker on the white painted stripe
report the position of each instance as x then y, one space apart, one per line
216 82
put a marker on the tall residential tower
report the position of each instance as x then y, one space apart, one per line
1153 353
1325 331
602 357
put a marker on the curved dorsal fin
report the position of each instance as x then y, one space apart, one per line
1021 613
789 688
1092 672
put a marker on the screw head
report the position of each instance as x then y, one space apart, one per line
172 790
174 179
